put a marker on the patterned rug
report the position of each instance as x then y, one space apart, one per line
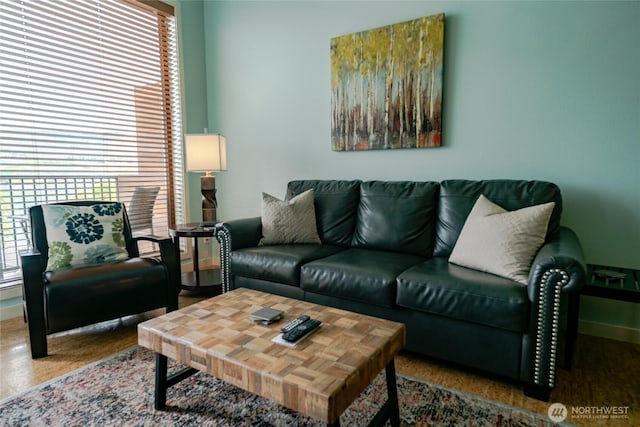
118 391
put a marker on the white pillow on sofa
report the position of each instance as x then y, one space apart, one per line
289 222
500 242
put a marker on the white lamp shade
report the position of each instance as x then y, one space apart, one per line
206 152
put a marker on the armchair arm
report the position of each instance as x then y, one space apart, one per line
232 235
33 296
558 269
170 258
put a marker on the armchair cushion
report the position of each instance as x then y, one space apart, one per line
79 236
501 242
78 296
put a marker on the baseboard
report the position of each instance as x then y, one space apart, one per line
10 302
614 332
11 311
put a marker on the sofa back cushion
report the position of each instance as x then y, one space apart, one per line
397 216
457 197
336 205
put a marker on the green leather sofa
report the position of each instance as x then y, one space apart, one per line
384 252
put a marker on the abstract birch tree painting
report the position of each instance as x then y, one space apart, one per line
386 86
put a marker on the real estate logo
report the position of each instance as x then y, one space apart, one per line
557 412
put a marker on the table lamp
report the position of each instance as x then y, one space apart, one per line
207 153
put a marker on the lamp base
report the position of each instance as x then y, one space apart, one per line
209 202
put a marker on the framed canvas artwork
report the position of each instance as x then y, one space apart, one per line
386 87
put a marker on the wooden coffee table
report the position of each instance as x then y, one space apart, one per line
320 377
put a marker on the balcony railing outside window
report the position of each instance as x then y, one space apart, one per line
19 193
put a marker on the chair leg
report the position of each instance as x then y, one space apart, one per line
38 346
37 339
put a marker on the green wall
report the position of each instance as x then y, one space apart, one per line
533 90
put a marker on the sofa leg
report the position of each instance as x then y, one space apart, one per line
537 392
572 330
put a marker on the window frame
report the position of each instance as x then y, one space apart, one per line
173 203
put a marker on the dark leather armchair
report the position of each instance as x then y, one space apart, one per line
65 299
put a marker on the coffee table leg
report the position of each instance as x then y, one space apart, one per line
392 394
390 410
160 392
164 381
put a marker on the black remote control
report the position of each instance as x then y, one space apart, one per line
295 322
301 330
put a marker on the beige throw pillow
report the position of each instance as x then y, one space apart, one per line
293 221
500 242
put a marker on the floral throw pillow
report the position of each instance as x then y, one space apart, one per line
81 236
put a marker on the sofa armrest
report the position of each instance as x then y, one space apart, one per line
557 273
233 235
33 296
563 253
243 233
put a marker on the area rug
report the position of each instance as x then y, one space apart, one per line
118 391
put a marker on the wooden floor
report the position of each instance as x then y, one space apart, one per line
606 373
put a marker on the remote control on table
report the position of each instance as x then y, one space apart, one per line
301 330
295 322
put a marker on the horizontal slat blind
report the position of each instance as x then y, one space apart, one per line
89 93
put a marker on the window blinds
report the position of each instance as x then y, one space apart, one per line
89 107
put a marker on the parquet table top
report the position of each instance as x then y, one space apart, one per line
320 377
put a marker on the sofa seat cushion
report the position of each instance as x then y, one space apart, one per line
437 287
361 275
277 263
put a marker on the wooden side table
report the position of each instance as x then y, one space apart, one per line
613 282
206 280
617 283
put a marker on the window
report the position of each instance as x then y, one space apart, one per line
89 109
